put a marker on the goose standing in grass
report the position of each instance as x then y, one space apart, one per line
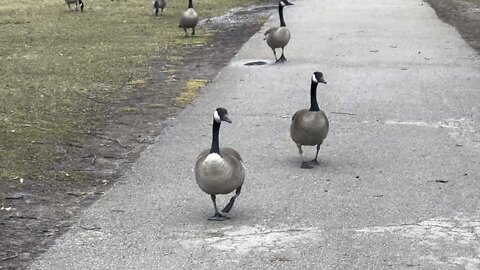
76 2
278 37
159 5
220 170
310 126
189 19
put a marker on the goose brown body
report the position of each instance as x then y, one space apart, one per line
189 19
222 174
277 37
220 170
159 5
309 127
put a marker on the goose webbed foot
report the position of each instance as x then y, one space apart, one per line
306 165
314 161
309 164
282 59
218 217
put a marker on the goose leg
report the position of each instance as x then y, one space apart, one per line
229 206
217 216
282 58
315 161
193 31
305 164
185 29
275 54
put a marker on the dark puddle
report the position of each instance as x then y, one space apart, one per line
255 63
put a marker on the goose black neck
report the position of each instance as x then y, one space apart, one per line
190 3
215 144
280 12
313 97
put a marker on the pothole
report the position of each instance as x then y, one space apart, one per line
255 63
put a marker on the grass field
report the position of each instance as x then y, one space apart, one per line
59 67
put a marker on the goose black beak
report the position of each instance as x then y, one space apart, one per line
323 81
227 119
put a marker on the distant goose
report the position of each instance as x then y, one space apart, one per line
76 2
220 170
278 37
189 19
159 5
310 126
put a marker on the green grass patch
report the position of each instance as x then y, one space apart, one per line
59 67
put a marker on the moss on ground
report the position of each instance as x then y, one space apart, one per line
60 68
189 92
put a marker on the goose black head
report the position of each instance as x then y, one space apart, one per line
317 77
220 115
285 3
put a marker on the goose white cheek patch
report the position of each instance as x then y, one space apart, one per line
217 117
314 78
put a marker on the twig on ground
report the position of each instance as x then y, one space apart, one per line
346 113
9 257
15 197
21 217
94 228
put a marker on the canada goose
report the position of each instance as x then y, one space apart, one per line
278 37
310 127
220 170
159 5
76 2
189 19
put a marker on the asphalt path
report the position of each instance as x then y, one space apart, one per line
398 186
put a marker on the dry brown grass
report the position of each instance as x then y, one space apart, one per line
59 68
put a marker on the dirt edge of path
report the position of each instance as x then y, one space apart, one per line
463 15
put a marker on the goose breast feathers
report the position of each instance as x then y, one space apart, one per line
277 37
217 174
309 127
189 19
